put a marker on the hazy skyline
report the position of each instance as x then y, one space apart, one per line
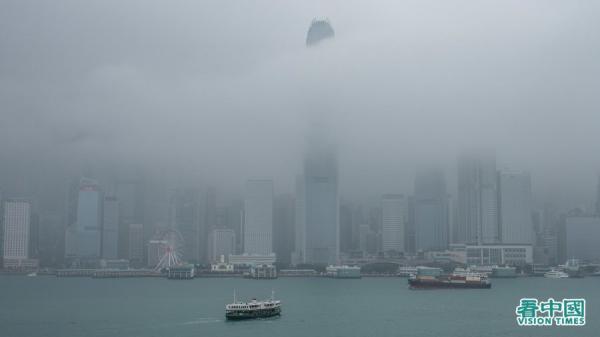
225 90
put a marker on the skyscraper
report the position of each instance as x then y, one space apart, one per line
477 199
516 225
318 31
130 193
320 202
394 212
136 244
431 211
221 241
110 228
346 209
597 205
16 220
186 216
1 234
283 227
83 237
298 255
258 217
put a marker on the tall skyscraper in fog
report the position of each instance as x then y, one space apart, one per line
477 199
186 216
318 201
431 211
130 191
597 205
110 228
283 227
516 225
258 217
394 215
221 241
298 255
83 237
16 221
136 244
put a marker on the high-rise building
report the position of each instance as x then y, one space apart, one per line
375 223
1 233
34 236
393 215
431 211
598 196
235 221
83 237
16 220
477 199
258 217
319 201
581 235
410 240
298 255
129 191
283 228
346 227
515 213
208 219
110 228
319 30
221 242
136 244
363 236
186 217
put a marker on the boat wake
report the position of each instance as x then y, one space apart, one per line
203 320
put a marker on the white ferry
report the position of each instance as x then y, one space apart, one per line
252 309
554 273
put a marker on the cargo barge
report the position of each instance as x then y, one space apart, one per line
433 278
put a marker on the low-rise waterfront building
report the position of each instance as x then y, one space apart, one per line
263 271
343 272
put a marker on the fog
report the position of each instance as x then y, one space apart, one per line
222 91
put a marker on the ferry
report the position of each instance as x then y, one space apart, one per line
432 278
504 272
253 309
554 273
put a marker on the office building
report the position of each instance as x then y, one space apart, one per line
83 237
394 212
514 204
136 244
221 242
186 216
319 201
16 220
284 228
477 199
258 217
110 228
581 239
431 211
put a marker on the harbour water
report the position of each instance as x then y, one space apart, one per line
74 307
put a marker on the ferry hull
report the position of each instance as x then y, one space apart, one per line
251 314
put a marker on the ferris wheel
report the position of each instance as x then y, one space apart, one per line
171 248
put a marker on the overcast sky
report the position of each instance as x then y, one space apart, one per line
226 89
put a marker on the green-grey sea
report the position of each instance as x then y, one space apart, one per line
367 307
